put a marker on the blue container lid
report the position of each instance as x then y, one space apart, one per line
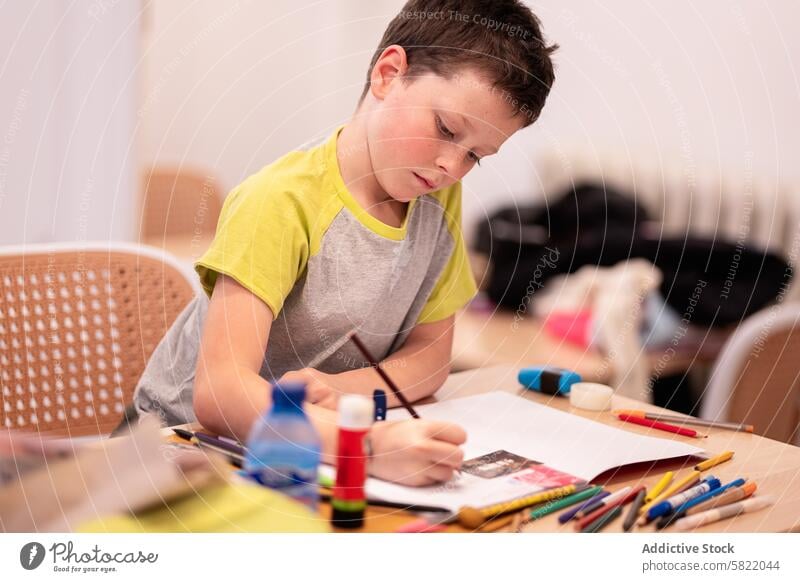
288 396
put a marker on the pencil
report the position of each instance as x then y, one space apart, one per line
516 523
630 519
618 503
687 481
236 459
688 420
606 502
571 513
684 507
660 425
724 512
731 496
473 517
236 449
714 461
183 433
659 487
374 363
603 520
554 506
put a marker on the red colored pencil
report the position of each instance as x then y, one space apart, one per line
660 425
586 520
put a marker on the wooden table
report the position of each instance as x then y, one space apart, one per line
489 338
774 466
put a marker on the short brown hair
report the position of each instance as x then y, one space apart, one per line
500 38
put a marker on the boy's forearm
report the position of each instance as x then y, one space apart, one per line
232 412
418 369
228 404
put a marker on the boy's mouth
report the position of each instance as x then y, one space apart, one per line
427 183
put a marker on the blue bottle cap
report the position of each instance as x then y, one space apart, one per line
288 396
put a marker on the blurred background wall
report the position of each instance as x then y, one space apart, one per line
95 94
69 84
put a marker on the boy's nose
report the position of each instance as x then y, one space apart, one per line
449 165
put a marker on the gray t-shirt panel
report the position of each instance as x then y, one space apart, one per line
357 280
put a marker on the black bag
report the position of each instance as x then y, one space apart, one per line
719 282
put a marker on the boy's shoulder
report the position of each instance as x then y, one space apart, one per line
298 168
297 179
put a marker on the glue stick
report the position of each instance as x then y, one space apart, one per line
349 500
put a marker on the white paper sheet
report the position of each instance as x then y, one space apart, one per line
500 421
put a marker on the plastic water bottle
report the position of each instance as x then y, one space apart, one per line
283 448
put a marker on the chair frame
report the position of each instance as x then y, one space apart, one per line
744 346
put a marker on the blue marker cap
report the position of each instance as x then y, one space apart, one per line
379 397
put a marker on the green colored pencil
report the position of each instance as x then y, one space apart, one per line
603 520
557 504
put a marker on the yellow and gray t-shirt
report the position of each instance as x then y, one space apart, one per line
296 238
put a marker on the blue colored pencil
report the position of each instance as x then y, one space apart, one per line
570 513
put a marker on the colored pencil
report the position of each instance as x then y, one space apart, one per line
606 502
568 501
732 496
374 363
687 481
617 503
688 420
660 425
681 510
602 521
236 459
714 461
570 513
473 517
724 512
630 519
665 480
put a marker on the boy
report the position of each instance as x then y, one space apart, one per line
360 232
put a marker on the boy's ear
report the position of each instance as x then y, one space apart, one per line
389 67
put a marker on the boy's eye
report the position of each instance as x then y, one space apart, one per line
450 135
443 130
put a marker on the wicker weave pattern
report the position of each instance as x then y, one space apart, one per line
76 329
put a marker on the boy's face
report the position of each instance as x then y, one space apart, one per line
426 134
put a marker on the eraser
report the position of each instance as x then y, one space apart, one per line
591 396
548 379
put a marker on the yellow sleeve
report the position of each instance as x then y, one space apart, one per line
456 284
262 241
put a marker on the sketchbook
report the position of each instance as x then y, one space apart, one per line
516 447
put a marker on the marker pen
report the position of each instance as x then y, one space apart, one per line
669 505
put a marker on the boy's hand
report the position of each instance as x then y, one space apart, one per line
319 389
416 452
